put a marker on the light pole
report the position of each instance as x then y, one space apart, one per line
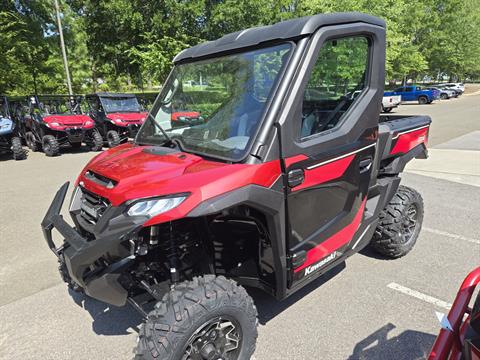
62 45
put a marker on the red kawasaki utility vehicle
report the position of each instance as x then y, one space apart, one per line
51 121
459 338
274 190
117 116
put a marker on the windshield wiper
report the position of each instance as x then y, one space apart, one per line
167 137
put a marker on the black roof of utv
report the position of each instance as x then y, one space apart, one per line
284 30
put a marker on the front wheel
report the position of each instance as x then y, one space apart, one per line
207 318
443 96
113 139
387 110
96 141
422 100
400 224
50 145
17 150
31 141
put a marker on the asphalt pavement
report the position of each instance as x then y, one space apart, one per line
370 308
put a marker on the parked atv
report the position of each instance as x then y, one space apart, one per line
52 121
273 191
459 337
117 116
10 141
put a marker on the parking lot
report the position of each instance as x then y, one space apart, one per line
370 308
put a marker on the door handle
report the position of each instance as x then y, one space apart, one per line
365 164
295 177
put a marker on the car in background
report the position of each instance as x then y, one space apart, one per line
415 93
117 116
10 141
50 122
458 87
445 93
390 102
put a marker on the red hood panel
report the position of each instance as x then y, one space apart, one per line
127 116
66 119
141 175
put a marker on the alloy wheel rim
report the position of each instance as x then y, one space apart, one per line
217 339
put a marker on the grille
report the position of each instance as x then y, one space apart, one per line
100 179
93 206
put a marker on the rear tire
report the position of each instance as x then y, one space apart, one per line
113 139
200 315
422 100
31 141
96 141
50 145
400 224
17 150
387 110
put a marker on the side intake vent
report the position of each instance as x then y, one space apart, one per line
101 180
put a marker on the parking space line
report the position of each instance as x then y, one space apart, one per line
450 235
420 296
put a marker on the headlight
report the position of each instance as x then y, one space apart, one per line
54 124
154 207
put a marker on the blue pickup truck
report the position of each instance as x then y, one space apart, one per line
415 93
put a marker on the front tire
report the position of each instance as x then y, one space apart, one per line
443 96
423 100
96 141
207 318
113 139
31 141
400 224
387 110
50 145
17 150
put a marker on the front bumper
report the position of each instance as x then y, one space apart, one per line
82 256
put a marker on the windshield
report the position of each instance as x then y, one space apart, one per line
214 107
120 104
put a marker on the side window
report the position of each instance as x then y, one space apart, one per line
408 89
337 79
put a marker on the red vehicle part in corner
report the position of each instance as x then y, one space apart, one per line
448 344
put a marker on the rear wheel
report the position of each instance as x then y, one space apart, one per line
50 145
17 150
31 141
113 139
422 100
96 141
207 318
400 224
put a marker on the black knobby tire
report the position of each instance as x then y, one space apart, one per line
174 326
62 269
422 100
113 139
31 141
399 224
96 141
18 152
50 145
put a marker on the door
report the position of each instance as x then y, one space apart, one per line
328 163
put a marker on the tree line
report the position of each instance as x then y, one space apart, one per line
128 45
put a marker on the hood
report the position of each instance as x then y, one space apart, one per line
186 114
145 171
6 126
128 117
69 120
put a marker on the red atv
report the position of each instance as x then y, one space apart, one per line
273 191
460 335
52 121
117 116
